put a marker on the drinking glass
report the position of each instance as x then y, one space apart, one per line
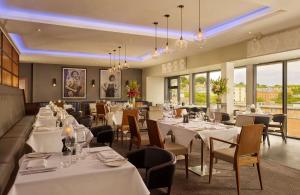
81 142
66 160
211 116
70 144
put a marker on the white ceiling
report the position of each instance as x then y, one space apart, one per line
59 35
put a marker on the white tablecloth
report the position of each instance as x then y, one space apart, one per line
89 176
185 132
46 137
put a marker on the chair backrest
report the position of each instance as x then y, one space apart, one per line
155 114
265 120
100 108
250 139
279 118
134 129
243 120
154 135
126 113
92 107
179 112
152 108
59 104
139 104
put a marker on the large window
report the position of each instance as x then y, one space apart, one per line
269 92
184 89
293 98
240 81
200 94
213 97
173 90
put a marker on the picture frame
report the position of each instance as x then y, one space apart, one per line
110 84
74 83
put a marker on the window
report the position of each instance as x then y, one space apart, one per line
293 98
200 87
184 89
213 97
240 77
173 89
269 88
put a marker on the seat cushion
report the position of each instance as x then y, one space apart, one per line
26 120
11 149
176 149
226 154
6 169
19 131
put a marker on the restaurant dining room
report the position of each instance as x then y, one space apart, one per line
139 97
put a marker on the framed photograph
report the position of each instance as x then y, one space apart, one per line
110 85
74 83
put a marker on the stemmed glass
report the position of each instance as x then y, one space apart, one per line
70 144
81 142
211 116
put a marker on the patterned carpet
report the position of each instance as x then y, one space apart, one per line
277 179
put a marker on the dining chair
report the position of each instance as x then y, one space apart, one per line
155 114
93 110
245 152
101 113
179 112
124 128
265 120
156 140
59 104
135 134
159 165
278 125
243 120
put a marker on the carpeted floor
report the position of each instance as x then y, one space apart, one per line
277 179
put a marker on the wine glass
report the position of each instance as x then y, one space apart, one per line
81 142
211 116
70 143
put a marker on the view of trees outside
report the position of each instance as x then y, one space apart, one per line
184 84
200 89
269 88
213 97
240 80
293 98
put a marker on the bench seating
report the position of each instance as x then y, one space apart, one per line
15 128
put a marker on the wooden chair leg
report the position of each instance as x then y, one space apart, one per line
122 137
259 176
186 158
211 164
237 177
191 146
130 145
268 139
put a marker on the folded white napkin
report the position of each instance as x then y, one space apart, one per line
109 156
37 164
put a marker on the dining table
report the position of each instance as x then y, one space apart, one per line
47 135
185 133
95 174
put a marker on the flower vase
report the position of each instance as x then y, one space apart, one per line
219 102
133 102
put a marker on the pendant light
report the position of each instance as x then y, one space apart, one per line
181 43
167 43
199 35
119 65
110 69
126 66
114 67
155 53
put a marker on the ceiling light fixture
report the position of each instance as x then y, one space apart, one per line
114 67
199 36
111 68
167 43
181 43
119 65
126 66
155 53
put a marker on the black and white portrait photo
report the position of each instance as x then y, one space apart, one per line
110 84
74 83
